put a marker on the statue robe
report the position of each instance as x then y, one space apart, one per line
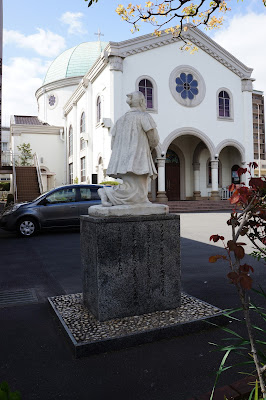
130 145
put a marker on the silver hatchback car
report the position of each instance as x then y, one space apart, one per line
60 207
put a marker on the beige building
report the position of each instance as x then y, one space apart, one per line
259 131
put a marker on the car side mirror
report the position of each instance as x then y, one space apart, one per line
44 202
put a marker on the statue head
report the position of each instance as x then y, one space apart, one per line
136 100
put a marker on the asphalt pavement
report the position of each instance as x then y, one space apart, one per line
36 360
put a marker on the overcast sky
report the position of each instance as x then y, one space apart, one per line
36 32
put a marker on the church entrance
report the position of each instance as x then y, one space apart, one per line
172 176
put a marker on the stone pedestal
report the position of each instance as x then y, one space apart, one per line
161 197
197 195
131 265
215 195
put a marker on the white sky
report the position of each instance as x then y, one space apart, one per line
35 33
244 37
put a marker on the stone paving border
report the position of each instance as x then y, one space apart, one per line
238 390
88 336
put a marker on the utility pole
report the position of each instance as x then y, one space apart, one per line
1 56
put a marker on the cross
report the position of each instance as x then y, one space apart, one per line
99 34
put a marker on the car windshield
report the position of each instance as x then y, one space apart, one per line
41 195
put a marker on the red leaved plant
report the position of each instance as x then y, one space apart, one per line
247 219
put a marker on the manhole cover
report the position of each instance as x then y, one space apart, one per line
17 297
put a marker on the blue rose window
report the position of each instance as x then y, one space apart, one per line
51 100
187 86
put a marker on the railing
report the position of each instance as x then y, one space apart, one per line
225 194
6 157
21 161
14 160
37 165
9 159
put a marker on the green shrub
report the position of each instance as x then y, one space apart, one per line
5 186
109 183
25 158
6 394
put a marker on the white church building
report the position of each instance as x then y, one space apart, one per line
201 103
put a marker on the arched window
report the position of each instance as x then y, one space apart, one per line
82 130
146 87
224 104
70 141
82 123
99 109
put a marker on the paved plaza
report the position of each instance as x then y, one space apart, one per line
36 359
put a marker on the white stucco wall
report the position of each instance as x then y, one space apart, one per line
98 144
49 147
54 115
101 134
158 63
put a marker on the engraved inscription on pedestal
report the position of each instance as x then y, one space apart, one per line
131 265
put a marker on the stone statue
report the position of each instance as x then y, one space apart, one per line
134 135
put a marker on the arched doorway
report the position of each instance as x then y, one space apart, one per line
172 175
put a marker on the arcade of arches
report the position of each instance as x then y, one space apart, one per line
190 170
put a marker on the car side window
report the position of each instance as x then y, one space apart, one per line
85 194
94 194
62 196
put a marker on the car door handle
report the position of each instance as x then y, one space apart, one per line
73 206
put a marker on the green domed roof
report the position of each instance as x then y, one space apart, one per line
75 61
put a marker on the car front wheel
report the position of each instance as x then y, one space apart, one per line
27 227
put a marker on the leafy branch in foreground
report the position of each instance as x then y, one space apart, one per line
6 394
249 222
161 13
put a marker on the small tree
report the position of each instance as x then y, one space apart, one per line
25 158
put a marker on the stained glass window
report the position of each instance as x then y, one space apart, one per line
224 104
171 157
235 176
52 100
146 87
187 86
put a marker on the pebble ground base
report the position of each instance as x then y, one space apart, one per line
88 336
